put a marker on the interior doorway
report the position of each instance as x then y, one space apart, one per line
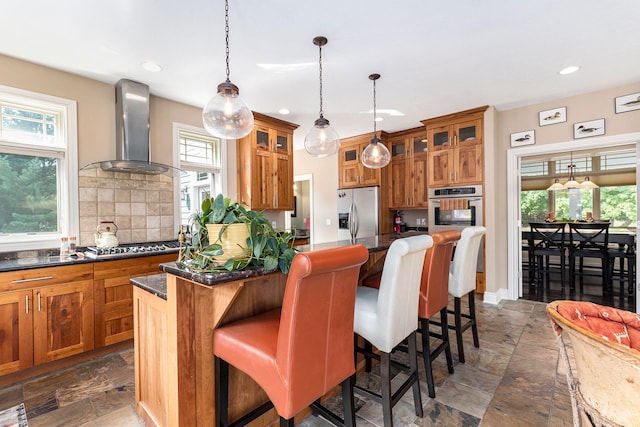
301 218
514 237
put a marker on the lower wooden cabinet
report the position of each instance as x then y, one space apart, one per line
62 321
16 330
51 313
45 314
113 295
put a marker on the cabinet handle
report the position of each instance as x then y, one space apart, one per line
26 300
455 176
39 301
455 139
33 279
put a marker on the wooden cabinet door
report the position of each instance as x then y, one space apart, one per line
284 182
468 164
468 133
419 168
400 184
262 181
440 138
16 331
419 178
349 164
368 176
438 168
62 321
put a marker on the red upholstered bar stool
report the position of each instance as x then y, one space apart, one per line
462 281
434 298
300 352
387 316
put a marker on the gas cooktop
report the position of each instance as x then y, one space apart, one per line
153 248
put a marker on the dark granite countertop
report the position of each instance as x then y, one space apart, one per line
373 244
211 279
26 260
155 284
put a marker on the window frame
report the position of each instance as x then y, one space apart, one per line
220 171
66 152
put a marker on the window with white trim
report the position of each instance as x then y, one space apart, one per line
38 170
200 158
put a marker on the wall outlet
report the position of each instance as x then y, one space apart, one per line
423 221
328 221
274 224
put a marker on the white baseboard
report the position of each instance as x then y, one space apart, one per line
495 297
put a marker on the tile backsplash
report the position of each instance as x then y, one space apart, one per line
142 206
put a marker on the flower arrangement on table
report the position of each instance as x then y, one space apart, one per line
228 237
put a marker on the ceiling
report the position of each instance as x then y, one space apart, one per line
435 57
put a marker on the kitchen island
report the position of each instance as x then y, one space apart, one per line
174 317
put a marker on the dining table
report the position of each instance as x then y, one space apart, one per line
621 247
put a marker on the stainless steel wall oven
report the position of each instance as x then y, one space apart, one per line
456 208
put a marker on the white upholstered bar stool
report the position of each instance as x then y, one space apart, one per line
462 281
387 316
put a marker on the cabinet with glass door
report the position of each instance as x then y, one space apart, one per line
456 148
265 165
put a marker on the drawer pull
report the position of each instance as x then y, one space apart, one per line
26 300
33 279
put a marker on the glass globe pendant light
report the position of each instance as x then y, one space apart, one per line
226 115
376 155
322 140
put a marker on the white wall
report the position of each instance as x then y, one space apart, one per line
325 184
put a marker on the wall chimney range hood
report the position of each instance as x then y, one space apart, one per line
132 133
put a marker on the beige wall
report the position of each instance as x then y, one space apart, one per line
594 105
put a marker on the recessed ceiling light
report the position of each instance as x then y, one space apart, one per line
284 111
379 119
569 70
152 67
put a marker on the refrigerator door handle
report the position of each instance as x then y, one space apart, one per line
356 224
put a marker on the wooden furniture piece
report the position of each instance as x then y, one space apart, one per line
388 316
604 373
462 281
45 314
456 153
547 240
113 295
408 169
352 171
300 352
589 240
265 165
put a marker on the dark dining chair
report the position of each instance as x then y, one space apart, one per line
548 239
589 240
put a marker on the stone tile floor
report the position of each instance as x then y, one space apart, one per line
515 378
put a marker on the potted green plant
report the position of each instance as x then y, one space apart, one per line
259 244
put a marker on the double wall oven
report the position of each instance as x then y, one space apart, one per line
456 208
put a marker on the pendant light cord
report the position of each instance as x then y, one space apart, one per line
320 63
226 30
375 129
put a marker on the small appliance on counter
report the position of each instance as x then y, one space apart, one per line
105 235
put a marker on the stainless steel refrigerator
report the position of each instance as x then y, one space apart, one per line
358 212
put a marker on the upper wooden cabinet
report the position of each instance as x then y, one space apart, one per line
265 165
456 148
352 173
408 169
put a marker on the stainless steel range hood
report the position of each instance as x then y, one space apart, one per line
132 133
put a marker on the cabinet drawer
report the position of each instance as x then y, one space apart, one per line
26 279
